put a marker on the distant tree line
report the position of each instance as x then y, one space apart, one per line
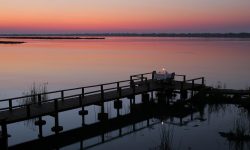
205 35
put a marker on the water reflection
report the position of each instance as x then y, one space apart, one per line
166 138
191 118
66 64
73 63
239 135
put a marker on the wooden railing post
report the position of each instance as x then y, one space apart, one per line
102 93
83 92
119 89
192 94
34 98
132 85
182 85
153 75
203 81
184 78
192 84
141 77
62 95
80 100
28 110
148 84
56 105
39 99
10 104
118 85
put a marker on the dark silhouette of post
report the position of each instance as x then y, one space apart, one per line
39 99
192 90
40 124
28 110
62 95
102 116
118 106
10 104
56 128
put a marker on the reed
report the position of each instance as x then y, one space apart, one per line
34 89
240 131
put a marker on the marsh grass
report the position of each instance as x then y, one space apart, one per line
33 90
240 131
239 135
220 85
216 108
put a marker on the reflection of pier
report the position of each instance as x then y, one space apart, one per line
141 113
69 99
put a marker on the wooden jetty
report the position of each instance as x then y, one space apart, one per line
138 84
68 99
52 103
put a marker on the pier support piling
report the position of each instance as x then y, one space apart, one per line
145 98
102 116
152 96
40 124
161 97
118 106
3 135
83 113
56 128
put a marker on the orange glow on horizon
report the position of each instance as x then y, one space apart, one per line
123 16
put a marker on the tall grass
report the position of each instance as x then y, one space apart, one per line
33 90
240 128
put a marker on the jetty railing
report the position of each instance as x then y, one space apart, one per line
41 98
182 76
201 79
12 103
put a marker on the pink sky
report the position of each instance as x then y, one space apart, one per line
81 16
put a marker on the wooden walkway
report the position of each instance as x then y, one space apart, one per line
62 100
137 84
48 108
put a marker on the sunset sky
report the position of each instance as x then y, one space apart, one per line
92 16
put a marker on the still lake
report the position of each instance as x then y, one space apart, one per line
66 64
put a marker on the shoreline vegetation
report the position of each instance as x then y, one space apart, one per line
12 42
103 35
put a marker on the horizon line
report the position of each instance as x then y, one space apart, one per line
131 34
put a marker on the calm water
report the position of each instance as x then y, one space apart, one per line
72 63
